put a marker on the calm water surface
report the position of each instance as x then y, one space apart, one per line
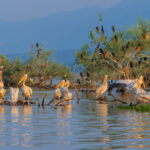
87 125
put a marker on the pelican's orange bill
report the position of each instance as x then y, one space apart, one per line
105 80
66 84
138 84
22 79
61 83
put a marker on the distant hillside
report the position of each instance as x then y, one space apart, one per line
67 32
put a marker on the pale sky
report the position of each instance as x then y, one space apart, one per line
27 9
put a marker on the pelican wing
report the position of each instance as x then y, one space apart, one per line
14 93
102 89
58 93
27 91
2 93
65 93
30 91
126 82
132 85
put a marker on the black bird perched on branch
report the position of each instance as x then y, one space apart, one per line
145 58
97 29
116 38
101 51
113 54
128 45
102 29
113 28
123 48
37 44
81 74
81 56
38 54
131 64
87 74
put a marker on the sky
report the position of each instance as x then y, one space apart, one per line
12 10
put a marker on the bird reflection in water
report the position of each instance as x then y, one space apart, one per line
14 132
102 111
2 114
2 110
14 110
2 126
63 124
26 122
27 112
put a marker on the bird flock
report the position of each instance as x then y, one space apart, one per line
131 85
63 95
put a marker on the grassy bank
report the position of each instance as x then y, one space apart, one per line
138 108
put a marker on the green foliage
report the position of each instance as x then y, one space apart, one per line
39 65
14 70
139 108
121 54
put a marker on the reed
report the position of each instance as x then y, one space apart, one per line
138 108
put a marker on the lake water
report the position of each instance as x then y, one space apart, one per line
87 125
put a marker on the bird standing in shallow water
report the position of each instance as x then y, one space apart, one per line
58 90
2 90
65 91
27 91
133 84
103 88
140 93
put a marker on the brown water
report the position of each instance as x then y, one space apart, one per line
87 125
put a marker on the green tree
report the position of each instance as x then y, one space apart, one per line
120 54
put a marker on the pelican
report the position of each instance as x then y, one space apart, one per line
14 94
65 91
103 88
127 84
27 91
140 93
133 84
2 90
57 91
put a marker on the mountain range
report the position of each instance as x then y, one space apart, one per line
66 32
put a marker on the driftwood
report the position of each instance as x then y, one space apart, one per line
62 101
43 100
54 98
39 104
77 94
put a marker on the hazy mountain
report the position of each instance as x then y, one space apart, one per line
67 32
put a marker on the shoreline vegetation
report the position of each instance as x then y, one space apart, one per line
121 54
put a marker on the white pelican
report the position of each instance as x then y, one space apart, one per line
27 91
140 93
58 91
103 88
133 84
127 84
14 94
2 90
65 91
